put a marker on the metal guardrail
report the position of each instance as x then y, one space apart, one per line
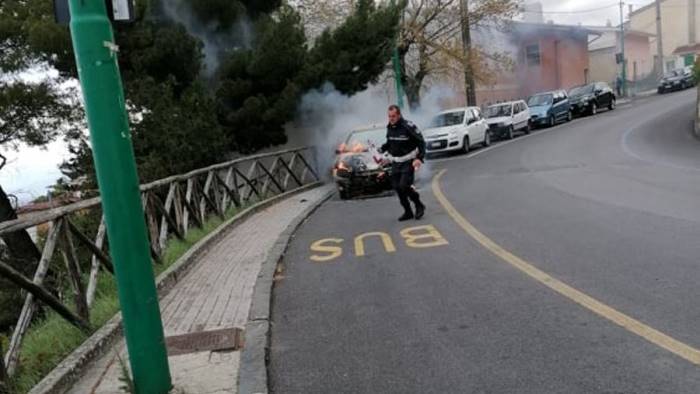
172 206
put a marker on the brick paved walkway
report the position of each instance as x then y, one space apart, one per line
215 294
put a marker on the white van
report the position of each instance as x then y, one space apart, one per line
506 119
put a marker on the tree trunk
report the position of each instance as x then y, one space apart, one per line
413 83
22 255
3 371
23 251
412 93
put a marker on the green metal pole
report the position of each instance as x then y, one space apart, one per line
96 56
397 76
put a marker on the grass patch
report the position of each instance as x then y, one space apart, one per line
50 339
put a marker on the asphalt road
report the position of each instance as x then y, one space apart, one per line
567 261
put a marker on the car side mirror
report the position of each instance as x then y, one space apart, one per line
598 91
471 121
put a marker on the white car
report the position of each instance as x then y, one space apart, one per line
506 119
457 129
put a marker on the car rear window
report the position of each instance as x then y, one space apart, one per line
540 99
448 119
373 137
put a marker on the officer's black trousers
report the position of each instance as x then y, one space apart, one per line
402 178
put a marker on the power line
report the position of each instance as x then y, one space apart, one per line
572 12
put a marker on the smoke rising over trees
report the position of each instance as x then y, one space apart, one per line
260 88
185 112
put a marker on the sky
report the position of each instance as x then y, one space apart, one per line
31 170
586 12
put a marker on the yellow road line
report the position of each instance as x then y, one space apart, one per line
628 323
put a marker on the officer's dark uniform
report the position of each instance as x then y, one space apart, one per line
404 138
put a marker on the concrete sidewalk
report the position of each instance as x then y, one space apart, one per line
214 295
636 96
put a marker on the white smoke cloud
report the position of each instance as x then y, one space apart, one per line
326 117
216 41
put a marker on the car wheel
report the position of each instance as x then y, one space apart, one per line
552 121
509 133
487 139
465 145
569 116
527 128
594 108
344 194
612 105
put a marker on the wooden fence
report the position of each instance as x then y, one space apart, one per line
172 207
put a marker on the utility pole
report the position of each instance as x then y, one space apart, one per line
659 42
397 77
691 22
469 84
623 88
396 60
103 94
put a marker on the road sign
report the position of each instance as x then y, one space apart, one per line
117 10
121 10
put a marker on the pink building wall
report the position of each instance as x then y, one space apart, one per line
638 51
563 64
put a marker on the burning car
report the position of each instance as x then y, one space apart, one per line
359 169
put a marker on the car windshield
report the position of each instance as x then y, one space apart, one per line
497 111
540 99
581 90
671 74
375 137
448 119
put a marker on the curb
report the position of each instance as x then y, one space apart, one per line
60 379
252 375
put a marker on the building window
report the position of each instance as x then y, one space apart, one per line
532 55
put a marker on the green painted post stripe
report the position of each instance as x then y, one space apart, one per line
397 76
96 56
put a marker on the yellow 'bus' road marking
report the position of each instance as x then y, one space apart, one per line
630 324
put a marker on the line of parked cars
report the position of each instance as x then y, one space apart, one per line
460 129
357 171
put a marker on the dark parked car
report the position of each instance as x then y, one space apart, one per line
549 108
357 169
676 80
588 99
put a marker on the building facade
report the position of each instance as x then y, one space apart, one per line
679 28
603 52
545 57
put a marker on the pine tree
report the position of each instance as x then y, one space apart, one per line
260 88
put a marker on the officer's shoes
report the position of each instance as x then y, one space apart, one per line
420 211
406 216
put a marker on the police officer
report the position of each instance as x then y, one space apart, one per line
406 146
